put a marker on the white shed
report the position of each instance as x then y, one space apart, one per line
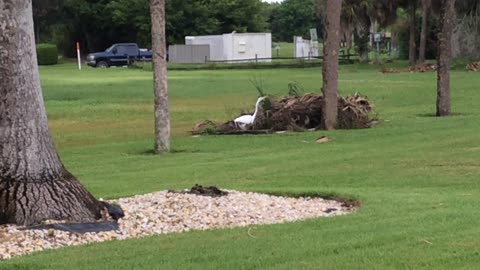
236 46
304 48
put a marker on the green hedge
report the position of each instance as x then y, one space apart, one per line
47 54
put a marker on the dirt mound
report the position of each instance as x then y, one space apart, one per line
296 114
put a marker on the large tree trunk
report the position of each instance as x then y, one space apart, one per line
162 115
330 63
423 34
34 184
447 19
412 44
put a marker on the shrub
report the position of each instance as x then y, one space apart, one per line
47 54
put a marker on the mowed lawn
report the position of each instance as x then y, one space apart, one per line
417 176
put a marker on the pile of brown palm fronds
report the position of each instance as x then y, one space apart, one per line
423 68
417 68
474 66
297 114
391 70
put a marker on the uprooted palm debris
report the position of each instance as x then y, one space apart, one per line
417 68
423 68
474 66
296 113
391 70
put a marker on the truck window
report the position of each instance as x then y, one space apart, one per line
121 50
132 50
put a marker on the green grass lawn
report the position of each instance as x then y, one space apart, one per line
282 49
417 176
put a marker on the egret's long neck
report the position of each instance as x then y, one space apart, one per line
256 109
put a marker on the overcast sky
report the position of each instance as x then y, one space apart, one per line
270 1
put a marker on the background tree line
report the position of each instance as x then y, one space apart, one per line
99 23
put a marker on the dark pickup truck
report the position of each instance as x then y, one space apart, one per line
120 54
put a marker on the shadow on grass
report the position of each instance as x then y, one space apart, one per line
346 200
151 152
435 116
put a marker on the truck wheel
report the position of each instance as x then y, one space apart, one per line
102 64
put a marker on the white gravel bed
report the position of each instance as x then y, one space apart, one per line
165 212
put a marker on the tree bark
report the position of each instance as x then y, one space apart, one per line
447 19
412 44
34 184
424 32
162 115
330 63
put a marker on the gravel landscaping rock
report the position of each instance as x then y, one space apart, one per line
172 212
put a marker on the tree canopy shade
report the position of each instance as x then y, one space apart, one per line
34 184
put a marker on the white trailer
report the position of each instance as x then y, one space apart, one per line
236 47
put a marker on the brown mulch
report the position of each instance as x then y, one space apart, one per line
296 114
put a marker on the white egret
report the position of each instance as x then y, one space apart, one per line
245 120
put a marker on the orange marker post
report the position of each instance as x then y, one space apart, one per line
78 57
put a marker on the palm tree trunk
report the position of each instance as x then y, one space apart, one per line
349 39
34 184
330 63
412 43
162 115
362 40
447 19
423 34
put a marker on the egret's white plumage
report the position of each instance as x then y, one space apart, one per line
245 120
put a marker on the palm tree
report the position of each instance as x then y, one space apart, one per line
424 31
162 115
447 21
330 62
355 17
359 15
34 184
412 9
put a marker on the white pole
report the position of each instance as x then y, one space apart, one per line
78 57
